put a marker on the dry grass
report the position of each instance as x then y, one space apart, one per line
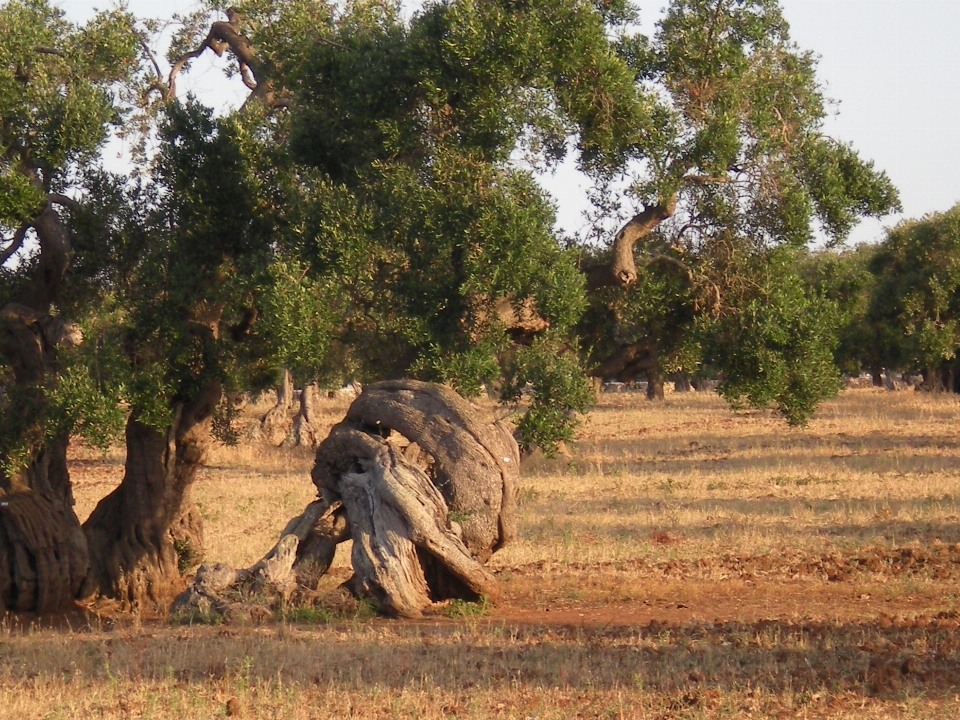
683 561
871 467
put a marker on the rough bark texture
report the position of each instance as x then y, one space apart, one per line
305 430
622 269
475 465
275 424
301 556
426 490
146 534
43 552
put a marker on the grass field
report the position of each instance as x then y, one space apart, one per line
679 561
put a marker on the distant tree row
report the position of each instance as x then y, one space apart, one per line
898 302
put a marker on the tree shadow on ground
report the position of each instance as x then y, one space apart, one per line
886 657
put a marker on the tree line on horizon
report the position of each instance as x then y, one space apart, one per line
371 212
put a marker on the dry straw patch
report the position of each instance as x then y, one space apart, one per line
689 478
682 561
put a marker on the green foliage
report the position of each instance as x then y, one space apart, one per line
387 226
734 148
775 345
844 278
552 376
56 84
915 304
458 609
443 243
187 556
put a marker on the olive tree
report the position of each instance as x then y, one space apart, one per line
731 165
58 85
916 299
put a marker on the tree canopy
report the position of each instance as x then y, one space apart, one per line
372 212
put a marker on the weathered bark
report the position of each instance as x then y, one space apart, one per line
397 516
426 511
147 533
305 430
43 552
682 383
475 465
622 270
302 555
275 424
425 506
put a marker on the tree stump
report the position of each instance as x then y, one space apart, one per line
423 486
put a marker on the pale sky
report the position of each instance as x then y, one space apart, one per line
893 66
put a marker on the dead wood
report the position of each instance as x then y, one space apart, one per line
425 489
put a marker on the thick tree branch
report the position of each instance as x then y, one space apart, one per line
45 50
622 270
65 200
16 242
226 35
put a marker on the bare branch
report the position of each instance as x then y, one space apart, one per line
178 66
46 50
152 58
16 242
66 201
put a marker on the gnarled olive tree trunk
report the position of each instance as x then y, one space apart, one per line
424 487
305 430
43 552
147 533
275 424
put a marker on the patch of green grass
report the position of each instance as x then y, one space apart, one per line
458 609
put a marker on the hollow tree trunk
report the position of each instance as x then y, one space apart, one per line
275 424
147 533
425 509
